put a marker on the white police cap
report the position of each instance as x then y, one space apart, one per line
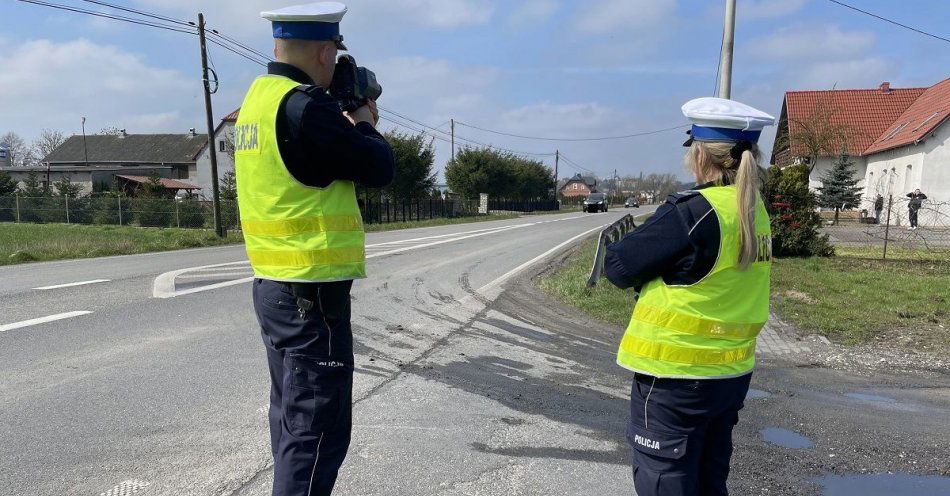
719 119
312 21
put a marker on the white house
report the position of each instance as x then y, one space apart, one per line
899 140
224 145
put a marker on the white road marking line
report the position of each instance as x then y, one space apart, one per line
214 275
125 488
164 285
450 240
489 290
71 284
209 287
42 320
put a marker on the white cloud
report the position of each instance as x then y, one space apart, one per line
424 77
246 13
51 84
609 15
533 11
866 72
823 42
767 9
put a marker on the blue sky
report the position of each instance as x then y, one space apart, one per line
554 68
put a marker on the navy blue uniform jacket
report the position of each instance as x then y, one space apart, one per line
679 243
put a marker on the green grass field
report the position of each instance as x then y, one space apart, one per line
35 242
20 243
850 298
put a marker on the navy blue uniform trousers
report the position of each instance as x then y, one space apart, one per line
681 433
311 370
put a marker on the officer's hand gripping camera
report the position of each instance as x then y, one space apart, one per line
353 86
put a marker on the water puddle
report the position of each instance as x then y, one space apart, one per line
757 393
786 438
870 397
883 484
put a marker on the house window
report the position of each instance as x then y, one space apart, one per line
221 146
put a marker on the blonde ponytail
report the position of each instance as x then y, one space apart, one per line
713 161
747 186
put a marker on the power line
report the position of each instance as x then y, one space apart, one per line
215 32
602 138
141 12
890 21
515 152
110 16
574 165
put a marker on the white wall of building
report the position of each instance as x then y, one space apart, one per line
202 172
825 164
899 171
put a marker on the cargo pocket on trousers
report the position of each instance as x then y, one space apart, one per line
659 464
312 398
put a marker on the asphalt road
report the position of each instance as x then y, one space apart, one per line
127 391
469 382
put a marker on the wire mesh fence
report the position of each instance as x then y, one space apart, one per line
111 209
901 228
384 210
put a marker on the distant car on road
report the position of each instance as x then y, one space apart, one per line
632 202
595 202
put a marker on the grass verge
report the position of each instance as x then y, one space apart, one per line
37 242
851 299
568 283
20 243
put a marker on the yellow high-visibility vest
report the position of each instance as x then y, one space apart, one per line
292 232
707 329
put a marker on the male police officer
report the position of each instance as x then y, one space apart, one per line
297 159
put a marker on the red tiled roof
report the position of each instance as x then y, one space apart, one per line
232 117
866 114
168 183
926 113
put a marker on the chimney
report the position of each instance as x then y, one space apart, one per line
123 133
192 131
886 87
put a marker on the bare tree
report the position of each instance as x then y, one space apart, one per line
19 152
816 135
49 140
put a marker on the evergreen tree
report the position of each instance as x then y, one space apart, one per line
153 208
414 156
791 206
839 188
228 195
66 188
32 188
7 185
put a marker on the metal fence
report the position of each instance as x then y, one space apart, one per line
119 210
891 233
502 205
382 211
609 235
197 213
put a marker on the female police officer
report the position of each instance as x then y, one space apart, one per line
701 265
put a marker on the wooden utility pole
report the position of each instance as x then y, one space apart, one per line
453 139
215 201
728 41
557 160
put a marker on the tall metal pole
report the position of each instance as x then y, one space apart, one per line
728 39
215 201
557 160
453 139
